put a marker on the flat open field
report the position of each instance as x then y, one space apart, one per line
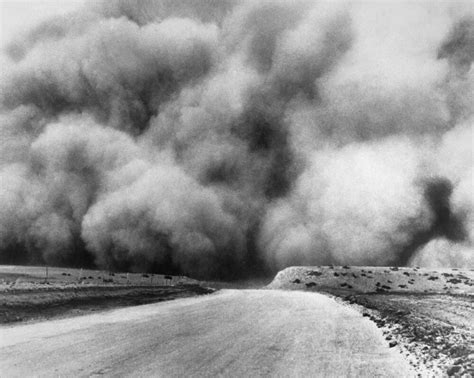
29 293
33 277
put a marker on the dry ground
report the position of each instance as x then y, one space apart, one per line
29 293
427 314
26 277
232 333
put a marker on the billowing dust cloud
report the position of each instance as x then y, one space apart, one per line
232 138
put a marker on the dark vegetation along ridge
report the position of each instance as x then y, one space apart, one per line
427 314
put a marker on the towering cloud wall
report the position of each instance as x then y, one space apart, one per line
225 138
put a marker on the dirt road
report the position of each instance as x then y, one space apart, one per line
239 333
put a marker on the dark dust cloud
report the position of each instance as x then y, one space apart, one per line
234 138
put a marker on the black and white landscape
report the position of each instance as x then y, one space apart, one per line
161 149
